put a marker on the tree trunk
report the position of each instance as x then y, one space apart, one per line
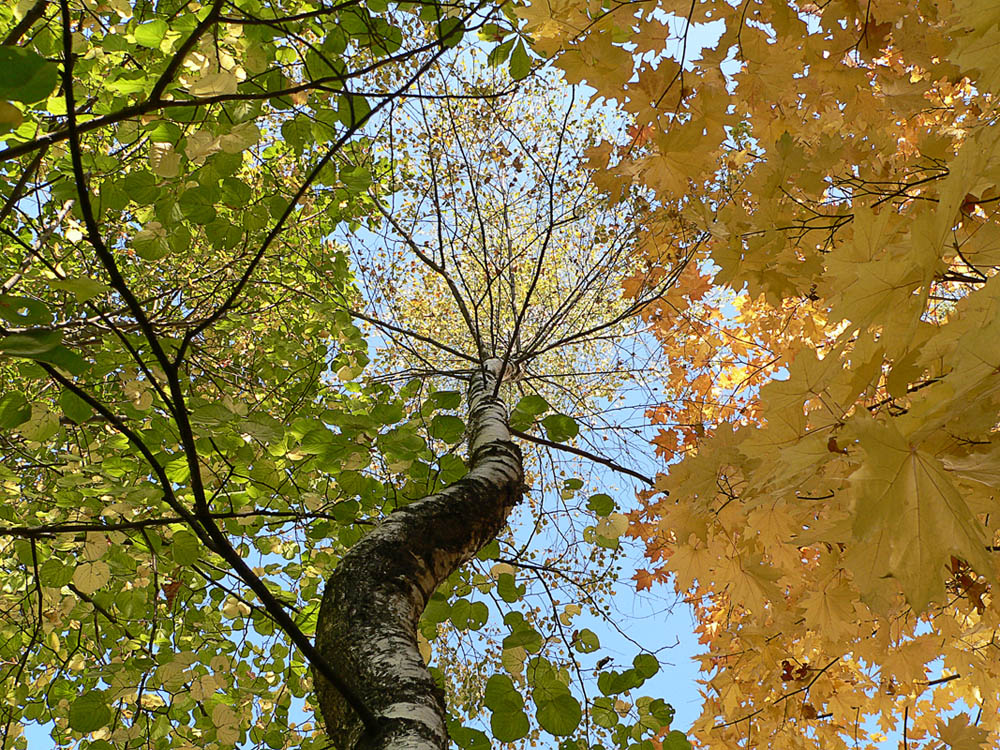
367 622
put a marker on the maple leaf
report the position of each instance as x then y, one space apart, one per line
906 498
643 580
958 734
831 612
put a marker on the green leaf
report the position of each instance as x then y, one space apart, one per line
263 427
23 311
452 468
177 470
82 287
186 547
468 738
26 76
613 682
509 726
447 428
662 711
509 722
307 619
64 359
479 613
352 109
42 425
500 53
558 712
164 131
75 408
601 504
89 712
490 551
520 63
129 82
559 428
240 138
586 641
508 589
438 608
150 242
402 442
444 400
55 574
646 665
235 193
525 636
141 187
676 741
317 441
30 344
355 179
10 117
603 713
501 695
151 34
14 410
198 205
450 32
533 405
460 614
211 414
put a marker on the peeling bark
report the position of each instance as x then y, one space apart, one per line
367 622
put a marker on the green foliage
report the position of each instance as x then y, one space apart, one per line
26 76
509 722
178 353
560 428
601 504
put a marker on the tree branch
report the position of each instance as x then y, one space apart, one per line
584 454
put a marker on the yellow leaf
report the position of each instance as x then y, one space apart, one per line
240 138
500 568
219 83
959 735
906 499
200 145
830 612
89 577
613 526
570 611
163 160
424 646
983 468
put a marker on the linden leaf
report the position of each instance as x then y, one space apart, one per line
676 741
163 160
219 83
89 712
26 76
240 138
90 576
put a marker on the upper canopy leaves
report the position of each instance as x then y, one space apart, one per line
838 162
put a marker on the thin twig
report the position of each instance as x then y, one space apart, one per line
585 454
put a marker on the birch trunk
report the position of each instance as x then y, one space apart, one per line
367 622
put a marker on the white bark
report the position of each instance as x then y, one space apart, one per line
366 628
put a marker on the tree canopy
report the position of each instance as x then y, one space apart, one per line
317 326
217 519
833 514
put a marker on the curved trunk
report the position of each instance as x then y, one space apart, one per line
367 622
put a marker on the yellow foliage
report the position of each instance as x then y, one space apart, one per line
834 398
